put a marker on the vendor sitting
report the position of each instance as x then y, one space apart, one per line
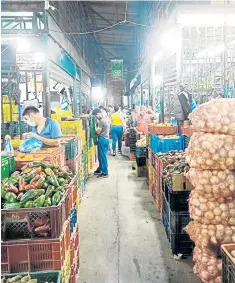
46 130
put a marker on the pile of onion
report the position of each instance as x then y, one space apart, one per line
215 116
210 237
212 183
213 211
211 151
207 267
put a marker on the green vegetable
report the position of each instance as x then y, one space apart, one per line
52 166
47 202
50 190
3 193
56 198
52 180
10 197
28 204
28 177
39 183
13 205
45 186
39 201
61 189
61 181
39 192
28 196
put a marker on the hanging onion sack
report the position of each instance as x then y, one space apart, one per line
211 151
212 183
210 237
212 211
215 116
208 267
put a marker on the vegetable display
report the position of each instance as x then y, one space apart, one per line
212 183
210 237
212 211
211 151
141 142
215 116
39 184
20 279
207 266
210 154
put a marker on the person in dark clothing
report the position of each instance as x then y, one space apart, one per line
184 103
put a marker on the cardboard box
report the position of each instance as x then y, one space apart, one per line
180 183
141 171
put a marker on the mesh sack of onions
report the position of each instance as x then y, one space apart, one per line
210 237
215 116
212 183
212 211
211 151
208 267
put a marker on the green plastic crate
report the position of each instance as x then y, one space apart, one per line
5 172
71 148
42 277
11 162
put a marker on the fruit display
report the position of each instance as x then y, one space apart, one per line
166 124
170 156
162 137
215 116
141 142
27 157
211 151
39 184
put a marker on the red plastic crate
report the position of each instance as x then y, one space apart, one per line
19 223
75 268
30 256
162 130
132 156
157 192
57 156
74 164
74 243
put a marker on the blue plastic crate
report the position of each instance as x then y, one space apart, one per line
73 218
140 152
164 145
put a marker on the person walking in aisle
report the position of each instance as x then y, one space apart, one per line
102 130
117 126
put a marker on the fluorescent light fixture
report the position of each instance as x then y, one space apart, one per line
157 57
97 93
171 40
39 57
206 19
22 45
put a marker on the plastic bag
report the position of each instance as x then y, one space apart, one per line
211 151
215 116
30 145
8 146
212 183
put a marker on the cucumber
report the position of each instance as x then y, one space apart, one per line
28 196
10 197
15 205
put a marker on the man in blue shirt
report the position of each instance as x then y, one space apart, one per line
46 130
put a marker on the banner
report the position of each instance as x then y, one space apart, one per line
116 69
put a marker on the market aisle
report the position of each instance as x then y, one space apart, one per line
121 236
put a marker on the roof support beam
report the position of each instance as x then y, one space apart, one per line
99 15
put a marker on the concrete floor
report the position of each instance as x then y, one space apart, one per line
122 239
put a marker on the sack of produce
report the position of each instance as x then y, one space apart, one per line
210 237
215 116
212 183
208 267
211 151
212 211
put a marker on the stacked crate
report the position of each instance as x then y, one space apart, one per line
175 217
132 144
24 251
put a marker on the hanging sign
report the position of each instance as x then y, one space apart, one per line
116 69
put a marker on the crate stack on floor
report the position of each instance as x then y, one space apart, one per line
133 140
141 155
39 225
168 186
211 156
